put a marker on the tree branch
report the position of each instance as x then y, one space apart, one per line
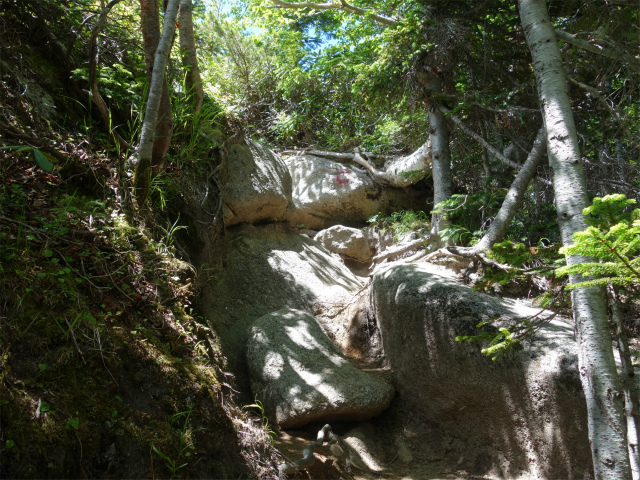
33 142
337 155
585 45
512 201
343 5
499 155
404 248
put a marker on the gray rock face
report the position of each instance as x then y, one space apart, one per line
267 268
300 376
258 185
326 193
347 241
521 415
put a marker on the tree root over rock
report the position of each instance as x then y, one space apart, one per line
325 434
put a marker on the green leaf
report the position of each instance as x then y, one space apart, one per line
45 407
42 161
42 366
72 423
10 443
155 449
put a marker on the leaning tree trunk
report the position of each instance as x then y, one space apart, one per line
600 380
145 149
511 203
189 57
150 16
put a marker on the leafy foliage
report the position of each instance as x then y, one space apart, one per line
613 239
43 160
401 223
468 215
499 344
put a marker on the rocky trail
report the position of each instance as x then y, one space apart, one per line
319 334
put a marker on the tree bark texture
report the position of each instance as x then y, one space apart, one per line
631 398
158 83
402 171
193 81
600 380
397 172
150 22
440 154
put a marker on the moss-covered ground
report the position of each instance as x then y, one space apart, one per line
105 370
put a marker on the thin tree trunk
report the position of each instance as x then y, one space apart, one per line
145 150
512 201
440 155
95 93
189 57
150 16
600 380
628 382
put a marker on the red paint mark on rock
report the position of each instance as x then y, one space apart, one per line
343 177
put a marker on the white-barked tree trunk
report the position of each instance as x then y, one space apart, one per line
145 149
600 380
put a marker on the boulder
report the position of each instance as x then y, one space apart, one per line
269 267
326 193
523 415
350 242
300 376
258 184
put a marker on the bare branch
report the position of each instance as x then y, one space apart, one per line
511 203
499 155
404 248
590 47
340 156
342 5
598 94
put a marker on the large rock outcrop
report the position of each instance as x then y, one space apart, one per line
521 415
266 268
326 193
258 184
350 242
300 376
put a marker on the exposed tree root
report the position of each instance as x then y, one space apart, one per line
404 248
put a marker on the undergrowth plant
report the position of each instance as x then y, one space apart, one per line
613 242
43 160
401 223
194 132
468 215
263 419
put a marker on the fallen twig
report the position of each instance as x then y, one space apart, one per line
73 335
